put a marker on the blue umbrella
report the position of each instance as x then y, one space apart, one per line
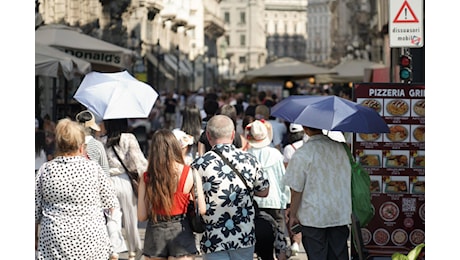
330 113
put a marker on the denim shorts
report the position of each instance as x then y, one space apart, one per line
169 238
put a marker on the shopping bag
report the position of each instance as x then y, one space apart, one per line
360 191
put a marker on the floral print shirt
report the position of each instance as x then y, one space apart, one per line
230 211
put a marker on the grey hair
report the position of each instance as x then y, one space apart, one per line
220 126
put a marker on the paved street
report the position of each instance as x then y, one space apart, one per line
124 256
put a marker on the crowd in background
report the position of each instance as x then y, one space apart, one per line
186 117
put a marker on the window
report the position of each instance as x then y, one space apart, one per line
242 40
243 18
227 17
227 39
242 59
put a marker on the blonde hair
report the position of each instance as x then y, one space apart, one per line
70 136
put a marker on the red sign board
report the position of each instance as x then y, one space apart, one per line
396 164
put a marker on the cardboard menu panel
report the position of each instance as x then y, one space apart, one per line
395 162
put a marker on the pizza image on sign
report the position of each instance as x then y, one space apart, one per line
372 103
419 108
397 107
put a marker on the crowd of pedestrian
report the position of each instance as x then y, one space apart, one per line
251 181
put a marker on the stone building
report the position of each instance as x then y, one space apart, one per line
189 44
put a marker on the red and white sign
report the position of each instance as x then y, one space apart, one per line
406 23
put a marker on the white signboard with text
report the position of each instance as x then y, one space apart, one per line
406 23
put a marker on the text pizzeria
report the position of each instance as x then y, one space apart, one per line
377 92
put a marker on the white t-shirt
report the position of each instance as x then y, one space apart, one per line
289 150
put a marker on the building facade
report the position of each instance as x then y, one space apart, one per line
189 44
175 40
285 27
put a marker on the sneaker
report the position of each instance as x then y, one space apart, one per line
295 249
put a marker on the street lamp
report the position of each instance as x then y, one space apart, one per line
177 71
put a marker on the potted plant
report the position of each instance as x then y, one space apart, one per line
412 255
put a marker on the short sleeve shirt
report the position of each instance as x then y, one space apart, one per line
321 170
230 212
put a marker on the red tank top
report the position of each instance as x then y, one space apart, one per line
181 199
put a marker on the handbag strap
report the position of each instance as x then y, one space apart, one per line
119 159
195 193
232 166
350 156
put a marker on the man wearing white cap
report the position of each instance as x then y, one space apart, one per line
295 139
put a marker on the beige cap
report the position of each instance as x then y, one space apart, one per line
87 118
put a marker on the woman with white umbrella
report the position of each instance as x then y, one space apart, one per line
124 154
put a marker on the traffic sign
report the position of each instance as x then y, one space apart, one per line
406 23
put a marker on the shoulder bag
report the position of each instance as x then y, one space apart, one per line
193 213
133 176
360 191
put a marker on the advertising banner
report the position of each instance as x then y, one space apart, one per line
396 164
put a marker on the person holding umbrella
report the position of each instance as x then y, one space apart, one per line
319 176
124 154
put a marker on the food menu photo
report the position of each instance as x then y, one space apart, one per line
395 162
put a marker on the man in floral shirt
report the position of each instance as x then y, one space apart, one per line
229 219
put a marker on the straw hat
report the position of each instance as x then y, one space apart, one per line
259 133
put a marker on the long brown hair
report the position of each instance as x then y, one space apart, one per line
164 153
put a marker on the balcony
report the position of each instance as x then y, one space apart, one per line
213 25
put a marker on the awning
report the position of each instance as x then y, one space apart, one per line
161 67
171 61
72 41
52 62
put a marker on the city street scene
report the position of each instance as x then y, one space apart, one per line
231 129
